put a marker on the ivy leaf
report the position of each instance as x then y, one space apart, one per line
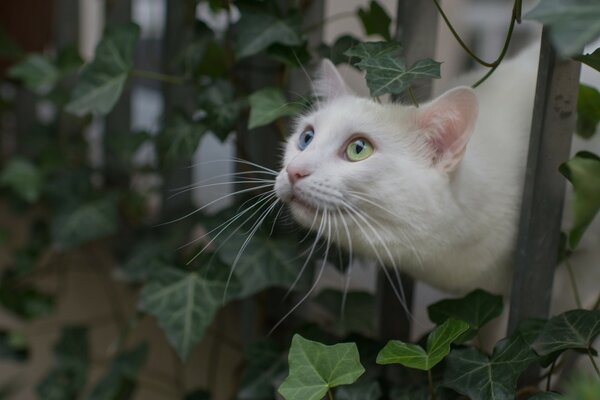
221 108
264 365
386 68
23 301
295 57
583 171
316 368
186 302
476 308
179 139
574 329
375 20
474 374
592 59
120 380
413 356
13 346
23 178
588 111
336 52
269 104
87 222
572 23
257 31
102 81
67 378
362 391
38 73
264 263
368 50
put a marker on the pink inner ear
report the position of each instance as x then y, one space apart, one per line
448 122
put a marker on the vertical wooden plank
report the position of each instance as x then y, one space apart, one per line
552 128
179 30
118 122
417 31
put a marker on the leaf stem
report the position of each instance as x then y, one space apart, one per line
412 97
329 394
174 80
573 284
593 361
511 28
431 389
515 17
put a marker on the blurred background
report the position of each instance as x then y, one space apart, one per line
80 209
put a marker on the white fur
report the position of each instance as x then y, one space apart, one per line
449 223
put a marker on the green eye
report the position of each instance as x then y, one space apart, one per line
359 149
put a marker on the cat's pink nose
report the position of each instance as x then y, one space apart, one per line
295 174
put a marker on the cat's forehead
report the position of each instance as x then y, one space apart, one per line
354 114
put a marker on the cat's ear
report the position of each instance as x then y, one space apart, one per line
329 84
447 123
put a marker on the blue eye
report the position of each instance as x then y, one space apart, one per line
305 138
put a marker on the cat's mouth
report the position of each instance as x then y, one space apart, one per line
298 201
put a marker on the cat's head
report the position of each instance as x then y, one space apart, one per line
361 162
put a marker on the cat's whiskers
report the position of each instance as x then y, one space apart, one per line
231 174
223 227
310 254
234 160
317 279
406 237
257 225
349 270
400 295
213 202
244 182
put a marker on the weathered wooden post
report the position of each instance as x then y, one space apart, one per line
539 231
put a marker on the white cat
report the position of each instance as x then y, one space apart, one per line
433 190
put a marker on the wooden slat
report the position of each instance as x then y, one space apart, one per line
552 128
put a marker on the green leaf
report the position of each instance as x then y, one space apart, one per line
102 81
375 20
316 368
22 300
368 50
574 329
67 378
386 69
179 139
265 262
294 57
268 105
413 356
360 391
119 383
186 302
582 387
257 31
583 171
89 221
13 346
358 316
336 52
145 257
592 59
23 178
572 23
476 308
588 111
221 107
38 73
474 374
264 365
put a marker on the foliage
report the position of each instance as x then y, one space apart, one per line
77 203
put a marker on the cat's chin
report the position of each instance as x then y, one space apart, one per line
303 212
